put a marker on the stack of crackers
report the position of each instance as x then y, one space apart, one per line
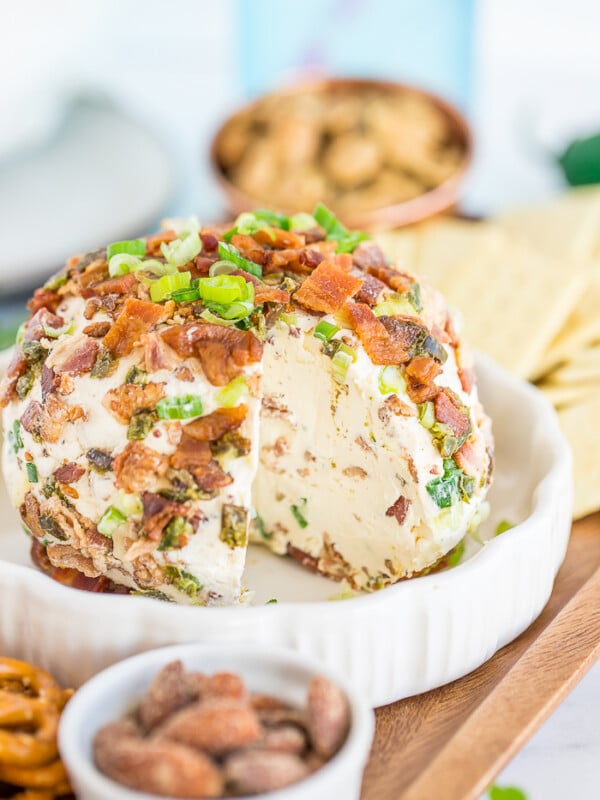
527 285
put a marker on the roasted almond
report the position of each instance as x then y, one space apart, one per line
262 771
328 716
216 726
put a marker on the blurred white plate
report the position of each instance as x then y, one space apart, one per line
400 641
101 178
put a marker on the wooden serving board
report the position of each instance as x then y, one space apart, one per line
454 740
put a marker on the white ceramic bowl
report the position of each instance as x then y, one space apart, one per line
401 641
283 674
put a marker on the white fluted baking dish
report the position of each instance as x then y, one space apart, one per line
400 641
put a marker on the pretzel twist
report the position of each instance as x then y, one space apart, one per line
30 707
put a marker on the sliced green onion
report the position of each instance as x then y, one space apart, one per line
290 318
248 223
32 473
208 316
122 264
341 361
185 227
391 379
227 252
130 504
162 288
54 333
182 251
183 407
347 240
325 330
223 289
133 247
278 220
452 486
155 267
231 394
176 534
185 295
17 438
221 268
302 222
394 305
56 282
110 521
298 513
426 414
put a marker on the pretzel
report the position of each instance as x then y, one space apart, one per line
30 707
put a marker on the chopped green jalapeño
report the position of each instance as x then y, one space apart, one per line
452 486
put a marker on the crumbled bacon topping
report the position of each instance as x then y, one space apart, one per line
449 411
223 351
379 345
138 467
399 509
327 288
42 319
420 375
74 356
44 298
279 239
368 254
135 320
154 241
158 354
196 457
123 284
45 422
467 379
125 400
157 513
370 291
16 368
69 473
270 294
394 278
212 426
472 457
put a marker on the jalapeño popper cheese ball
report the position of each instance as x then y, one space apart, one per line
173 396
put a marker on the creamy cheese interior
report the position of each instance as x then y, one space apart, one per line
334 459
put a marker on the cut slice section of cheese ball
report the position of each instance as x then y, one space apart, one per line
171 393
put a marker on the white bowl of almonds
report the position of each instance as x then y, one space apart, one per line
216 721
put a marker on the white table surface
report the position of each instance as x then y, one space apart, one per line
562 760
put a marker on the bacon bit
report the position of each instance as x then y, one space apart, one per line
368 254
471 458
158 354
269 294
210 241
35 327
154 241
200 266
308 561
16 368
398 408
49 381
394 278
66 557
448 411
44 298
370 291
30 514
31 419
413 336
379 345
55 415
125 400
247 277
467 379
212 426
451 331
96 271
222 351
439 334
69 491
420 374
69 473
97 330
399 510
184 373
249 248
135 320
123 284
158 512
342 261
279 239
327 288
71 577
138 467
75 356
196 457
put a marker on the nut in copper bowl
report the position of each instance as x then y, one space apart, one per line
378 153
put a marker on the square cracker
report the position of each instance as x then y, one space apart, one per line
580 329
435 249
514 301
565 228
581 426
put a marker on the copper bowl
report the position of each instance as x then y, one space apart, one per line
441 198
